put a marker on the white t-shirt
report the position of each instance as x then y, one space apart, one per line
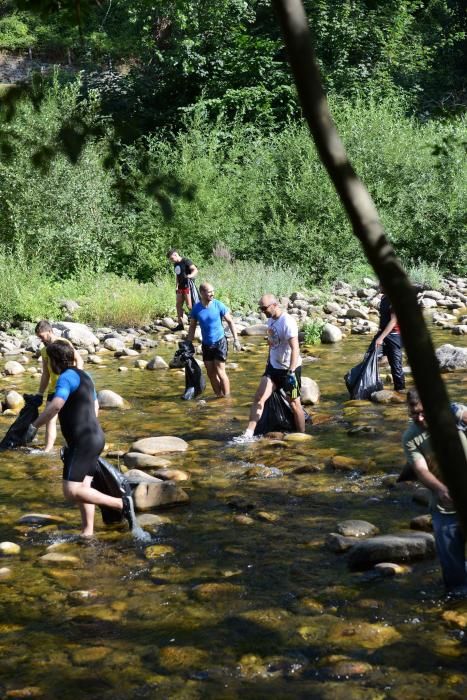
280 330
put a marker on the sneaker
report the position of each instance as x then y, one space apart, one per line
179 327
244 439
128 508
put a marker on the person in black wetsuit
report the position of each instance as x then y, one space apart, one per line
389 339
75 402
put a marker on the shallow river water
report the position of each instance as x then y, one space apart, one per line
242 598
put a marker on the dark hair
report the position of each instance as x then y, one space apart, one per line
62 355
43 327
171 252
413 397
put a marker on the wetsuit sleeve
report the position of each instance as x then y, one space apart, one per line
67 383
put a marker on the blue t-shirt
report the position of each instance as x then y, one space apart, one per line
67 383
210 320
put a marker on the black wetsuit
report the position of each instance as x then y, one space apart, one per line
79 424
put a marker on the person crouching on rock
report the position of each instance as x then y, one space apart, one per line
75 402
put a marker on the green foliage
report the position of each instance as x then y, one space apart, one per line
312 331
426 275
26 291
15 33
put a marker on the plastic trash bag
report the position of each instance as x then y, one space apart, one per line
16 433
363 379
108 479
195 382
277 415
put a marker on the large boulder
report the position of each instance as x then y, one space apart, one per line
109 399
114 344
451 357
77 333
157 362
331 334
159 445
157 493
404 547
139 460
14 400
310 391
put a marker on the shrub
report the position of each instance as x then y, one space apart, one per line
312 331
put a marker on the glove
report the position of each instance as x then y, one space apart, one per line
41 397
291 385
30 434
237 345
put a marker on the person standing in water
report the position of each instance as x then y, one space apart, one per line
389 340
210 313
75 403
283 368
45 332
185 271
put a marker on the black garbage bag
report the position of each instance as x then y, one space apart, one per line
363 379
16 433
195 382
277 415
193 291
108 479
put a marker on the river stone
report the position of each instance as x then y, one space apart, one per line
155 551
9 549
297 437
168 322
356 528
354 312
422 522
12 368
258 329
331 334
114 344
398 548
456 617
358 634
422 496
451 357
159 445
14 400
171 474
139 460
310 391
153 494
338 543
40 519
217 591
150 521
57 558
89 655
141 364
95 359
5 573
157 362
123 369
77 333
136 476
343 463
386 396
386 568
129 352
183 658
243 519
109 399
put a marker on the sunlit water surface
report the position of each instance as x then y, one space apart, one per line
247 602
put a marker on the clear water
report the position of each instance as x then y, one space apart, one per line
242 599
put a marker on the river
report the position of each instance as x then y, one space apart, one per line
242 598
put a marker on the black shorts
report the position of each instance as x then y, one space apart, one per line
279 377
217 351
80 461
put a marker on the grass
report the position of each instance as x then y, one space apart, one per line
312 331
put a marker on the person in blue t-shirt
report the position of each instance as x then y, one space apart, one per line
210 313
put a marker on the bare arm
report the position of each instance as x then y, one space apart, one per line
431 482
79 362
387 330
45 376
229 320
191 330
293 342
193 272
53 407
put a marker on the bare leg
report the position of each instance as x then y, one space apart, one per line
50 434
179 304
87 511
82 492
189 301
211 371
222 378
264 391
298 415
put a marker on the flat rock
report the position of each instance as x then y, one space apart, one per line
339 543
159 445
157 362
61 559
356 528
110 399
422 522
40 519
258 329
136 476
171 475
391 548
139 460
157 493
217 591
386 396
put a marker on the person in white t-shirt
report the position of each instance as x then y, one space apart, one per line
283 369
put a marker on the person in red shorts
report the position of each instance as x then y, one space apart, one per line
185 271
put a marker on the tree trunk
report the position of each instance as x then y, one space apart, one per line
367 227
